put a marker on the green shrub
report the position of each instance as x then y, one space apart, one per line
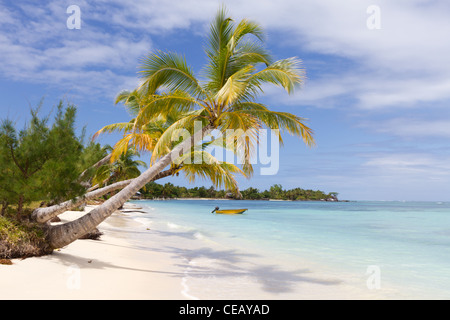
21 239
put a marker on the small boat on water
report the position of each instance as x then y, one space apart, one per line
229 211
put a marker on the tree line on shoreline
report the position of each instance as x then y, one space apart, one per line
168 190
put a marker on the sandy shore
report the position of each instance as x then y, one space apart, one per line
137 261
109 268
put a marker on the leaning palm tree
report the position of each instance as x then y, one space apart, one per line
235 75
117 166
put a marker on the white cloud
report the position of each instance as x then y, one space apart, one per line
402 64
416 172
401 92
409 161
369 91
411 128
37 47
391 176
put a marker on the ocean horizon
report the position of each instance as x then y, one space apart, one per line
378 249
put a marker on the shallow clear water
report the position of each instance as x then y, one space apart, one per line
408 242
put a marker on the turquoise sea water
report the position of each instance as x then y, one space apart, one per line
407 243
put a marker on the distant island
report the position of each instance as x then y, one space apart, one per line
155 190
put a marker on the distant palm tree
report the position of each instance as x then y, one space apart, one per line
122 168
237 70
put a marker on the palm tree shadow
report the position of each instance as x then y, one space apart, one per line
71 261
275 280
224 264
232 263
226 256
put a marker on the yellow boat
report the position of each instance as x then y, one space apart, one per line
229 211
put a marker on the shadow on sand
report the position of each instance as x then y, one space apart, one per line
225 264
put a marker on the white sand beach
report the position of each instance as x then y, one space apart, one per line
119 266
109 268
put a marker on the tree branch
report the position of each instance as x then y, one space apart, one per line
15 161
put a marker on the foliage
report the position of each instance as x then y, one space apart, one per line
42 161
92 152
155 190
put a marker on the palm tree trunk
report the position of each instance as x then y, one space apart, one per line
64 234
42 215
96 165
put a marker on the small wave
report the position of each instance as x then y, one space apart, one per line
131 214
172 225
185 291
146 207
143 221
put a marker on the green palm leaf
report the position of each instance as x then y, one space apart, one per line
115 127
221 174
172 133
285 73
171 71
283 121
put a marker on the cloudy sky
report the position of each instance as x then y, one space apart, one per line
377 93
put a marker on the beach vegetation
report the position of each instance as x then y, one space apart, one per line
42 161
155 190
21 239
40 164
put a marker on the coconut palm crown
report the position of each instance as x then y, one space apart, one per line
226 98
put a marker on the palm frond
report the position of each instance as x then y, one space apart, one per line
171 135
283 121
121 147
285 73
228 52
220 32
244 28
167 105
169 71
115 127
221 174
234 86
101 175
131 100
249 53
241 135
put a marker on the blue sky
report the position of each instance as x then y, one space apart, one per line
377 99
